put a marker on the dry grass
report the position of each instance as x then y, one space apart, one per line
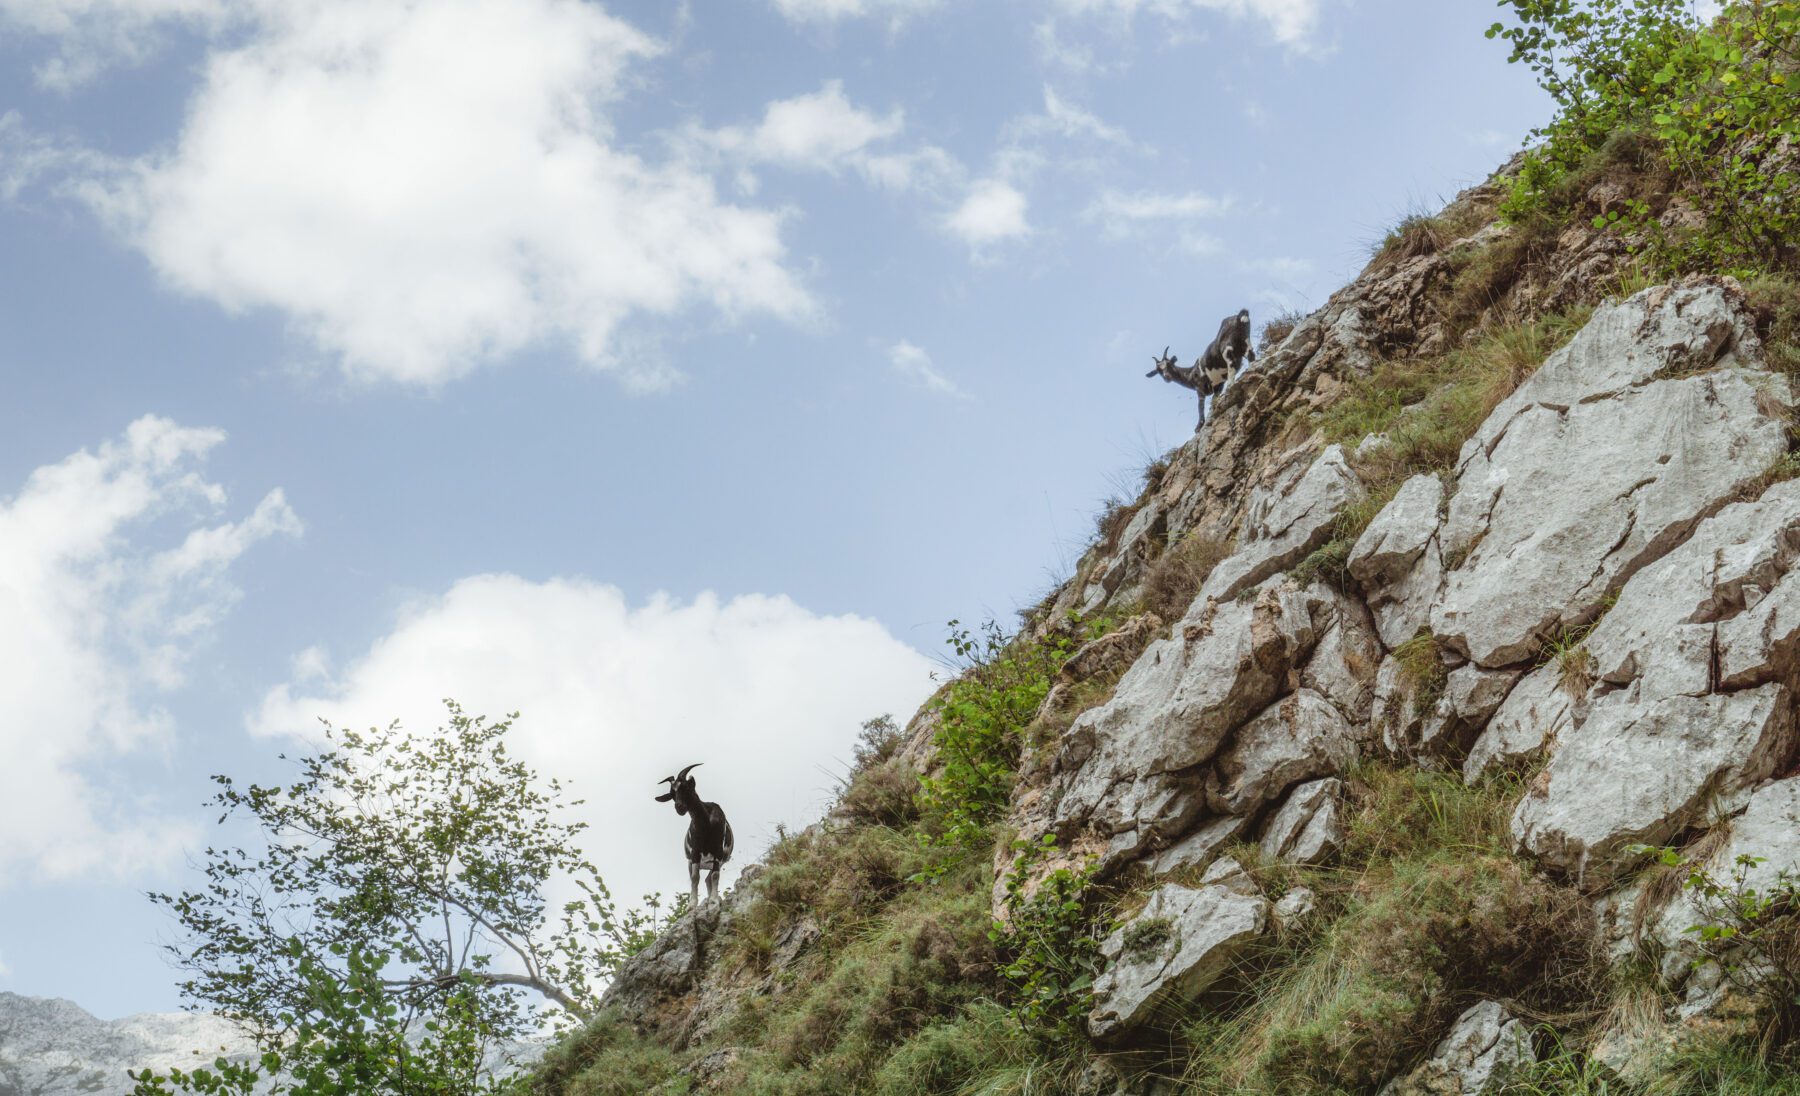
1417 234
1567 648
1425 410
1427 908
1178 574
1115 514
1277 328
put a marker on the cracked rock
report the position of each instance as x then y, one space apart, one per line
1181 942
1309 827
1485 1048
1601 462
1282 526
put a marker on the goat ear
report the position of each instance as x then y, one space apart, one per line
665 797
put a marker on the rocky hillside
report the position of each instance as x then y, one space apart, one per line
51 1047
1427 724
54 1048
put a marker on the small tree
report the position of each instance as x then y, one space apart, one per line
391 927
1718 97
1751 932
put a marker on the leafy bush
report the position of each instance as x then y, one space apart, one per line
1050 944
1751 933
881 789
1715 96
982 717
396 885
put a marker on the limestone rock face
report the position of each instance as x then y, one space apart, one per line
1533 714
1297 738
1295 907
1283 524
1606 457
1309 827
1670 723
677 960
1397 560
1469 698
1483 1050
1631 775
1123 766
1180 943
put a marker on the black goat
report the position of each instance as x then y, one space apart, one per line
709 839
1223 357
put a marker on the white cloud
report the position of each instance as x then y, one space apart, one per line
613 698
423 188
5 971
823 129
1291 22
92 34
992 211
830 11
98 616
1124 215
913 363
1063 119
27 158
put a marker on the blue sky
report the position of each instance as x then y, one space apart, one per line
671 374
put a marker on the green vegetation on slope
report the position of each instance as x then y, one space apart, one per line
1710 102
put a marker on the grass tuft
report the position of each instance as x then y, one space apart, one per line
1422 670
1177 575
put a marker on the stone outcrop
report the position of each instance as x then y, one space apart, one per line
1126 771
1309 827
1485 1049
1284 523
1650 418
1672 726
1177 946
679 962
1396 560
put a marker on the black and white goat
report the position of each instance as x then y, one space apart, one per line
1222 359
709 839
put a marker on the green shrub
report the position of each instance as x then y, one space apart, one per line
1752 934
1050 945
982 717
1715 96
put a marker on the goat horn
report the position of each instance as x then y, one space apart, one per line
666 780
687 770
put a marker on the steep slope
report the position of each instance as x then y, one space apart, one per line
1344 749
52 1047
